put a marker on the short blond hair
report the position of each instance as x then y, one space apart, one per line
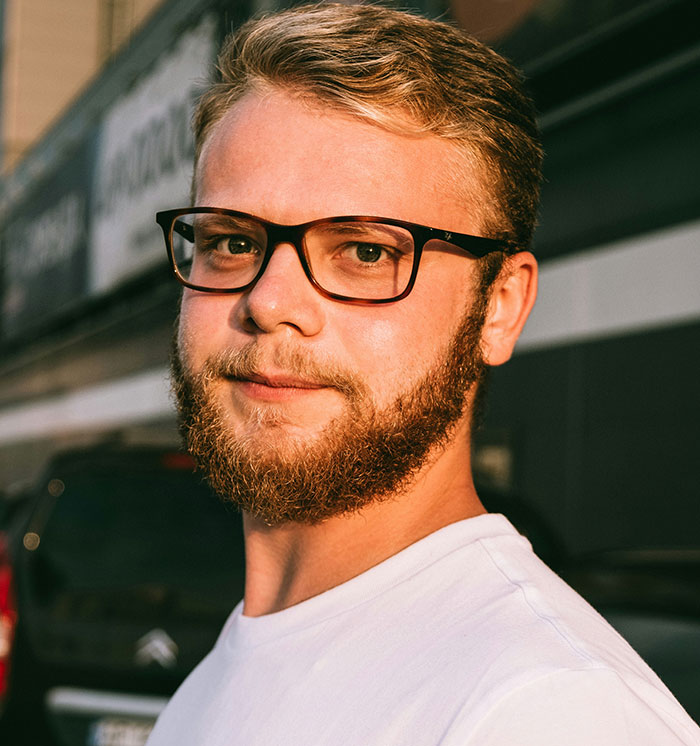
404 73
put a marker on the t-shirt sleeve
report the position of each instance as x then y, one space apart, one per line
581 708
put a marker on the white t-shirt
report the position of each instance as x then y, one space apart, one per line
464 638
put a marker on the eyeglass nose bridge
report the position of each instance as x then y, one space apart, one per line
285 234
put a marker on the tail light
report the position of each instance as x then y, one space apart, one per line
8 616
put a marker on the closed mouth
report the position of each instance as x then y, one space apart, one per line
279 381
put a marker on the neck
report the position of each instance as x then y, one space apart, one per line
292 562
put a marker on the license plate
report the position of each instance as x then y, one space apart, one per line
114 731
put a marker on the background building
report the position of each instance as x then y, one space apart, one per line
50 51
595 421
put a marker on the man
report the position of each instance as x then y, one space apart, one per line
369 182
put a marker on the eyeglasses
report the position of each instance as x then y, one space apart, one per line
357 259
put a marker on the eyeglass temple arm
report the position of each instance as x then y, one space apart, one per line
478 246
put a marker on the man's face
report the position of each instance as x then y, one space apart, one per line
285 391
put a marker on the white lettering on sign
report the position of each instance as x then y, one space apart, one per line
144 161
47 241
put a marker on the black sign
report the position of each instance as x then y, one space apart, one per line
45 246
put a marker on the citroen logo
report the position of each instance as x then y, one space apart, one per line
156 647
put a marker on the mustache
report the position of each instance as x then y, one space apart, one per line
250 360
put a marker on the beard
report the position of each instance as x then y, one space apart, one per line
365 455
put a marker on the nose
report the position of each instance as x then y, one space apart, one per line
283 297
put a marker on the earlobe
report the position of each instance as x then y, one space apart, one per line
512 298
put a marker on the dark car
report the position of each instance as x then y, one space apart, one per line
125 569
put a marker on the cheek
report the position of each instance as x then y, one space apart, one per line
397 344
202 327
392 354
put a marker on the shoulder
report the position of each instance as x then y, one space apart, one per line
553 670
580 708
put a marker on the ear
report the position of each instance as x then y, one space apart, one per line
512 298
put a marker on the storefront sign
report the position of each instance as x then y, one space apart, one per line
144 162
45 247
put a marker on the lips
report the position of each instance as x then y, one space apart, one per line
280 381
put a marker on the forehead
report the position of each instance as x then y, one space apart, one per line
289 161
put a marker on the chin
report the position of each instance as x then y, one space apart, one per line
268 428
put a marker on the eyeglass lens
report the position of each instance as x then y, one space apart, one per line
355 259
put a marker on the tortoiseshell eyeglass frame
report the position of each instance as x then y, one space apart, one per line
474 246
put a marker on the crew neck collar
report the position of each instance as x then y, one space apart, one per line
250 631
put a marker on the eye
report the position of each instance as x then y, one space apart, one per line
368 252
236 244
359 247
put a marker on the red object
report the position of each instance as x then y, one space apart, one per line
8 616
177 460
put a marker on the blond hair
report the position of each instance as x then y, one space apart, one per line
401 72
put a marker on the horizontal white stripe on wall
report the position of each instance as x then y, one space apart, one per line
634 285
133 399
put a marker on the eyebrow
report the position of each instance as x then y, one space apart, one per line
225 222
362 228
